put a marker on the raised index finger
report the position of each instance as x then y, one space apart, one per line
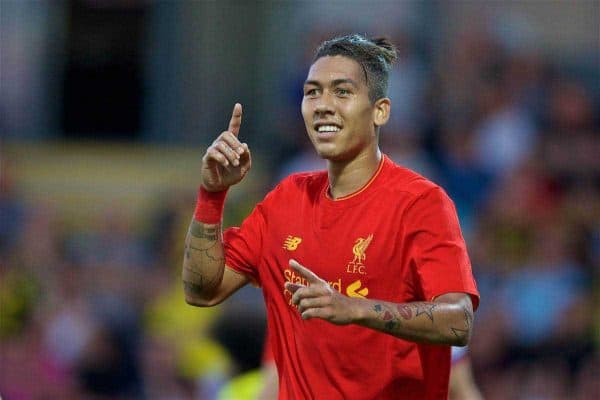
236 119
310 276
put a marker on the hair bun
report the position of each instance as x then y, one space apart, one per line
389 51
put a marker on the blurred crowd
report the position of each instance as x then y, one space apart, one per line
98 313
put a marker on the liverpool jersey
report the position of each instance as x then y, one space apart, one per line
397 239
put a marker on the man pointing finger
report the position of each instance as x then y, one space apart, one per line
383 284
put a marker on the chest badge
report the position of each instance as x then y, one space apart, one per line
291 242
357 266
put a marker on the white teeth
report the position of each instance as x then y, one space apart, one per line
328 128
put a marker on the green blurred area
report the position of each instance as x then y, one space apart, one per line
83 180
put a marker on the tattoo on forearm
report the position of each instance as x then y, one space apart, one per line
461 333
201 231
208 236
403 319
405 311
387 316
391 315
205 251
425 309
193 288
468 316
203 258
197 275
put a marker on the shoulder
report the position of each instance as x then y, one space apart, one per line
415 192
408 183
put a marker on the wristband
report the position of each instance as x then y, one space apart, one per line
209 207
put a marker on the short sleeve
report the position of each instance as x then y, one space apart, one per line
243 245
437 248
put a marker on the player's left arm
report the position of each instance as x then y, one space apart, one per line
448 319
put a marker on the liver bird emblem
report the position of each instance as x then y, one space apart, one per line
360 248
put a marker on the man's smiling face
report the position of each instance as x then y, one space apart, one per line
337 111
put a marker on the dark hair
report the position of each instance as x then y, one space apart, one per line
375 57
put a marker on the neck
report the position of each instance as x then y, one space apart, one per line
347 177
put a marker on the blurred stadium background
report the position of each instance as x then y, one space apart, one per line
106 107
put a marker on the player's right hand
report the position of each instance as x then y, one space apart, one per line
227 160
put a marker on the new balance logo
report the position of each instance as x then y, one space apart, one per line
291 243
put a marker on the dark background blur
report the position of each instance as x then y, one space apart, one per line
106 107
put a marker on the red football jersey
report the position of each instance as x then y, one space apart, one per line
397 239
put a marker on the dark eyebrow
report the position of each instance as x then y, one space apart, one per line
335 82
314 83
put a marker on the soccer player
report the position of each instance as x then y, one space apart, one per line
363 267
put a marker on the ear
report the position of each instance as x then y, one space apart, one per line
381 111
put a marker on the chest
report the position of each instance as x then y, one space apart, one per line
360 250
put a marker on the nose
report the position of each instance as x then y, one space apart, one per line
324 105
